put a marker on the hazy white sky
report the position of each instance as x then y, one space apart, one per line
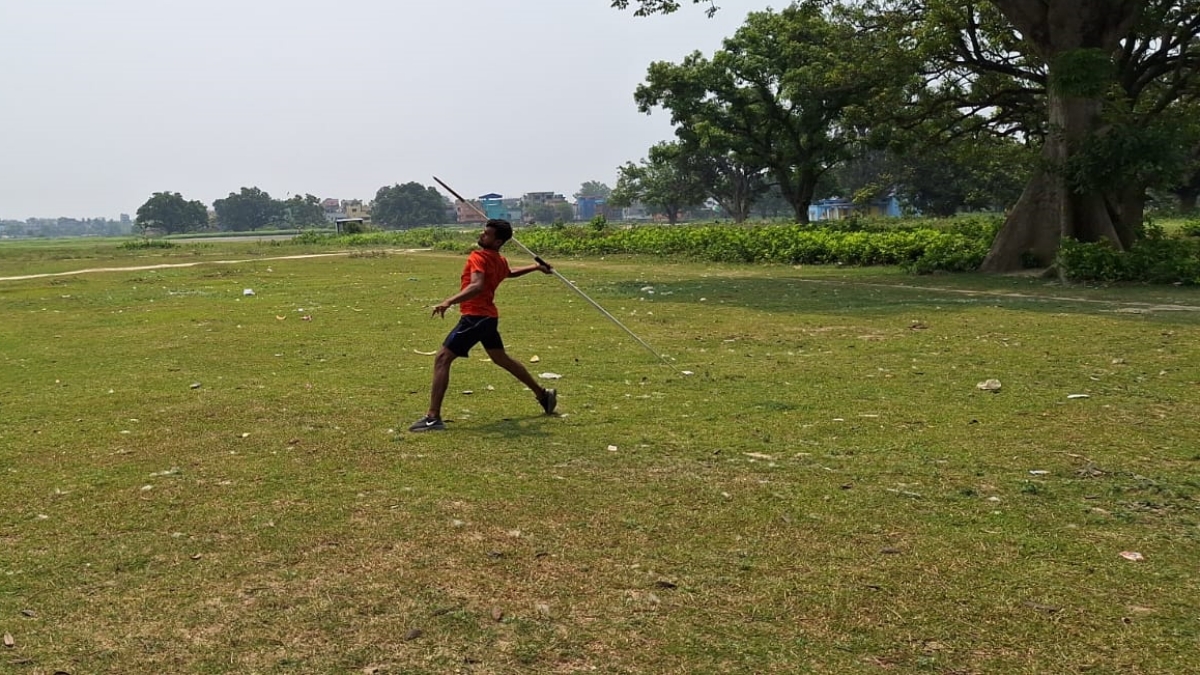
105 103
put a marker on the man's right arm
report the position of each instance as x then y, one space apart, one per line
471 290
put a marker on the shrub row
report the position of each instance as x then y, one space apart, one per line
921 249
921 246
1156 260
424 237
954 245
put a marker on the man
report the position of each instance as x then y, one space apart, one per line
484 271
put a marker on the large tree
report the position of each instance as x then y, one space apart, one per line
664 182
593 188
171 213
248 209
303 211
974 171
788 92
408 205
1100 83
727 178
1096 81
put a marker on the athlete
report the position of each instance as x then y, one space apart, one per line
479 323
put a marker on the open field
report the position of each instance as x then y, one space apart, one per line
205 482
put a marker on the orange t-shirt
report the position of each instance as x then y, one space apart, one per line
495 269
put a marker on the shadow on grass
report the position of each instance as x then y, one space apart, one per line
525 427
883 298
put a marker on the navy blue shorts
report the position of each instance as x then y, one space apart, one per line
473 330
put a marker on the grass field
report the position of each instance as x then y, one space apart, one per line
201 481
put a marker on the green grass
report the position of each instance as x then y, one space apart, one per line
828 493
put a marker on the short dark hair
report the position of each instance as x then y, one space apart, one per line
502 227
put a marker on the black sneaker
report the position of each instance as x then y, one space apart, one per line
549 400
428 424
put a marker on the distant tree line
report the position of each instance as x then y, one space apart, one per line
251 208
395 207
246 210
64 227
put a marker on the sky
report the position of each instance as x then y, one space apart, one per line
103 104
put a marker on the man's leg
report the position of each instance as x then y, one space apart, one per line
502 359
441 381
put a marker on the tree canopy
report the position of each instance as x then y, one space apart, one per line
248 209
789 92
303 211
593 188
171 213
408 205
663 182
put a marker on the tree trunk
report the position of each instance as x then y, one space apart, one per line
1130 209
797 187
1051 207
736 207
1027 232
1187 201
740 195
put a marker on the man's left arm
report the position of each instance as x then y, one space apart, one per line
522 271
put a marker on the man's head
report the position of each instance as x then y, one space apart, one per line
495 233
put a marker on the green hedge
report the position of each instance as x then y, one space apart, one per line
921 249
922 246
1155 260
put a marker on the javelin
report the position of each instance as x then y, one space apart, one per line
565 281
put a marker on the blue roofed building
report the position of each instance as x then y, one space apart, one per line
836 208
587 208
493 205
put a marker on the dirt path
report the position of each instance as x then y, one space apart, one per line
1127 306
139 268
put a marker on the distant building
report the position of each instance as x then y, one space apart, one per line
836 208
354 208
345 209
532 199
516 212
493 205
464 212
587 208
